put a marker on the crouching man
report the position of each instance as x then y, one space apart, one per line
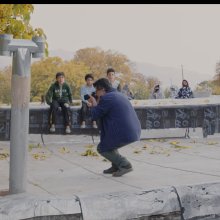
119 125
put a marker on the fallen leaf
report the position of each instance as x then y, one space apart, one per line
137 151
174 142
64 150
4 156
89 152
212 142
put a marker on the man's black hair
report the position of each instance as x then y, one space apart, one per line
103 83
60 74
109 70
89 75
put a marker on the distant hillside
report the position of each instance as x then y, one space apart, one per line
168 75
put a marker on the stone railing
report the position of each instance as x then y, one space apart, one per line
153 114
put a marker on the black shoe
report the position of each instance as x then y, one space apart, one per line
122 170
110 170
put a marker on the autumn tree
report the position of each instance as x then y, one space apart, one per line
5 85
139 86
15 20
99 60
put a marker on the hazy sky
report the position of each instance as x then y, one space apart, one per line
161 34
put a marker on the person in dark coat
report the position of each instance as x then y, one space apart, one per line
119 125
185 91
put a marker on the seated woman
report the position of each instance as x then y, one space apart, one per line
185 91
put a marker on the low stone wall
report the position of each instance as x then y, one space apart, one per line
171 203
153 114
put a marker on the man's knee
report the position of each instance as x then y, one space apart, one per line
99 149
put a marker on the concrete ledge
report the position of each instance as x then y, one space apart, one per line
27 206
170 203
132 205
200 201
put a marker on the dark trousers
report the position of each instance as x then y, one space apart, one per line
54 108
113 156
84 111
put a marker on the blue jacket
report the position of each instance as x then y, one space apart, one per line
119 123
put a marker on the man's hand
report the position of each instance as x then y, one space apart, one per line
89 104
93 101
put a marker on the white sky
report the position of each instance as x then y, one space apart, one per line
161 34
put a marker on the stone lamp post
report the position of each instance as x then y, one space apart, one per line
21 50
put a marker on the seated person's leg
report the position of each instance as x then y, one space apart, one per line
84 110
94 124
66 115
53 110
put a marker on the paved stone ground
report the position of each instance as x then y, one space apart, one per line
168 159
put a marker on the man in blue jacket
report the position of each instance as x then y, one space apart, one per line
118 123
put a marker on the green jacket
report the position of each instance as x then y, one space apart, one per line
59 93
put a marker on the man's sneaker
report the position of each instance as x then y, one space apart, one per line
94 125
83 125
110 170
68 131
52 128
122 171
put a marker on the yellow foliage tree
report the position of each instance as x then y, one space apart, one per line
15 20
99 60
5 85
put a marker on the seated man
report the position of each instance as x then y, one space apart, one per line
111 77
86 89
59 97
